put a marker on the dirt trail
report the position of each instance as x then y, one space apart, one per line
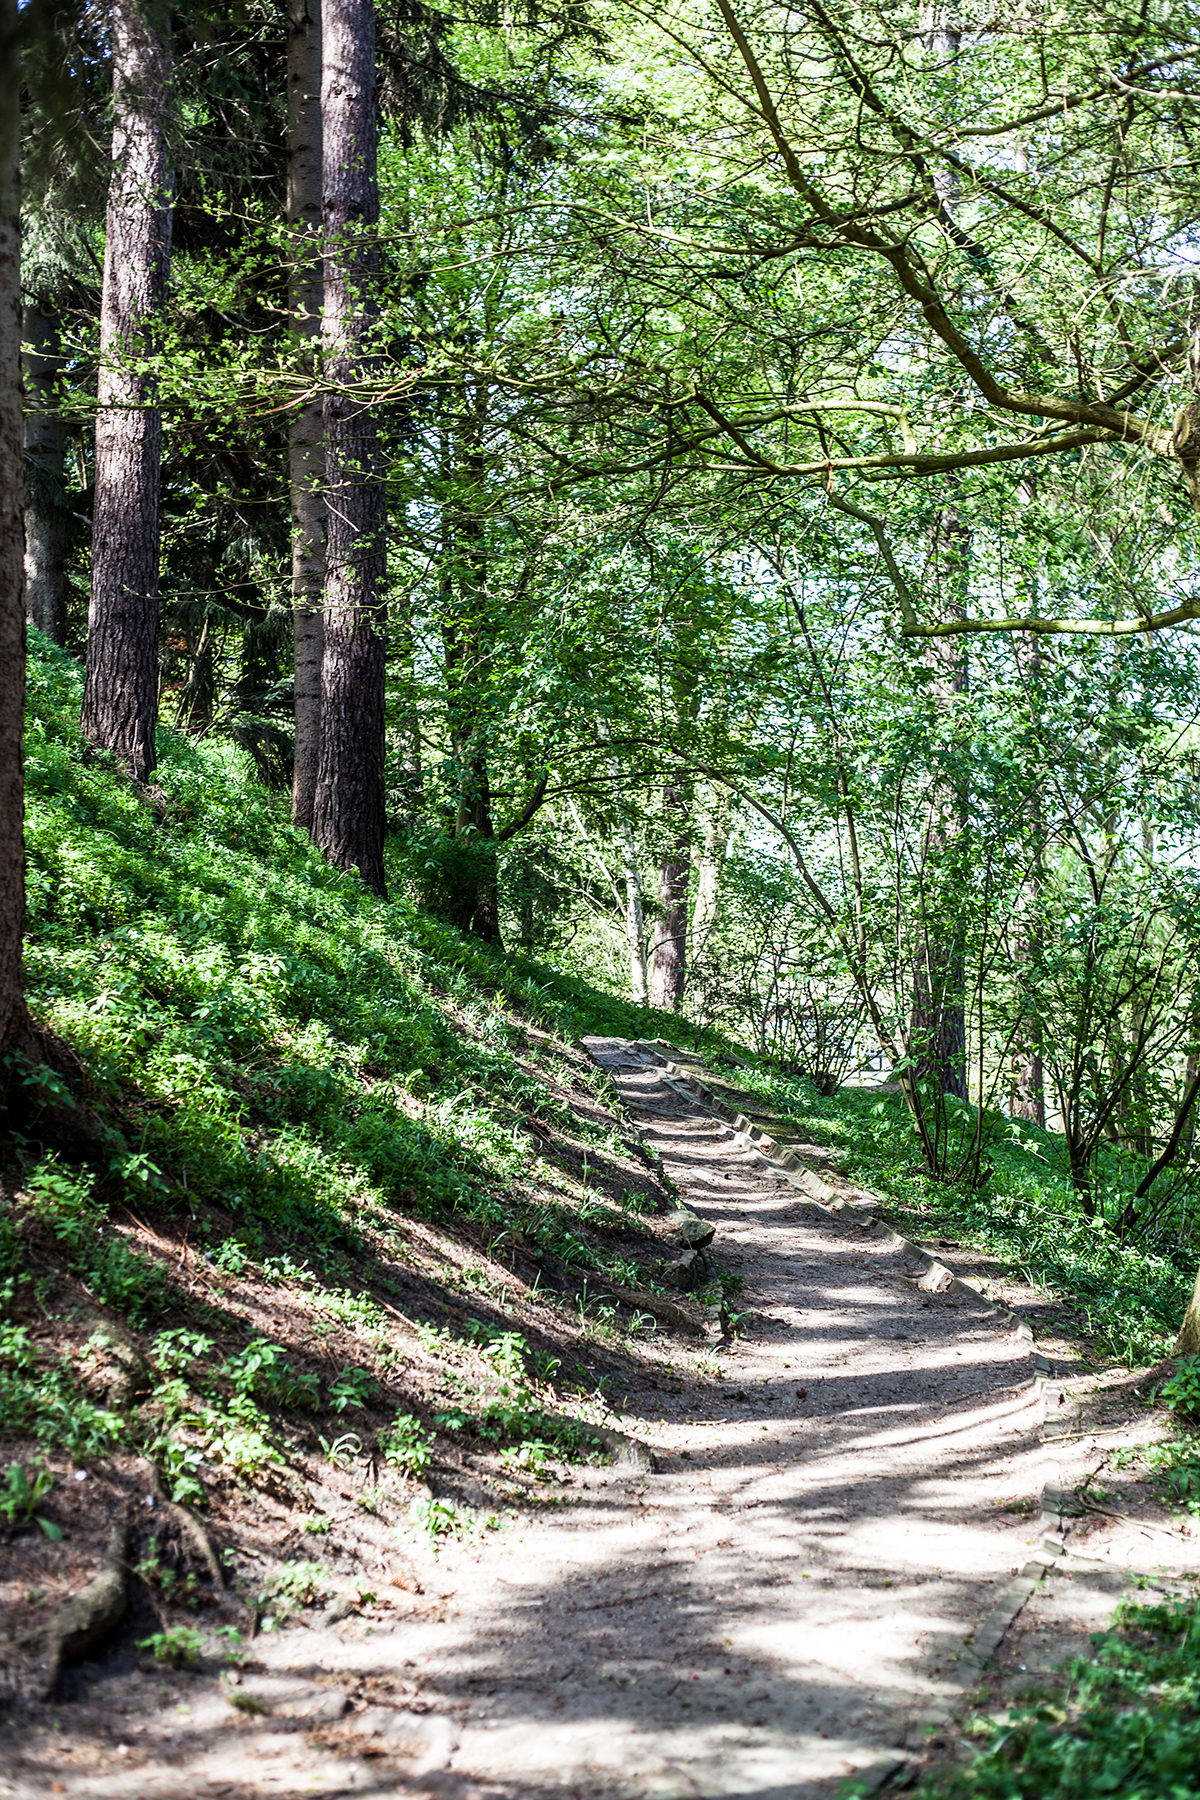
768 1614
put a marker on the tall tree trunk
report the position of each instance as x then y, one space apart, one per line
411 773
668 953
709 869
635 911
306 450
465 616
348 809
939 1001
120 701
46 509
14 1023
1188 1341
1027 1091
1027 1095
939 1033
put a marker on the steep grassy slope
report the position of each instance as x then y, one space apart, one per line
346 1206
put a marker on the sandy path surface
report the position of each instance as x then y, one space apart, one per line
764 1617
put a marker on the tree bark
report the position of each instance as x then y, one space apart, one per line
348 808
668 953
410 772
120 702
1188 1341
14 1022
1027 1097
939 1001
306 444
939 1008
708 873
46 510
635 911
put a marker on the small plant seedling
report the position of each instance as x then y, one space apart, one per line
176 1648
172 1351
406 1446
231 1256
343 1450
181 1465
353 1387
439 1519
234 1645
296 1585
532 1455
20 1499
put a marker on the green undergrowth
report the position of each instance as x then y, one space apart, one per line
260 1030
1127 1725
1128 1297
282 1074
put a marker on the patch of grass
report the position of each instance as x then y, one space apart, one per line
65 1203
1128 1723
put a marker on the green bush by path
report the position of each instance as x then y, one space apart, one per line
1128 1725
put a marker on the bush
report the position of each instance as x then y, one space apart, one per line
1134 1728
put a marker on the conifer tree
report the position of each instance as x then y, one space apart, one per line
14 1025
306 461
46 509
348 811
120 706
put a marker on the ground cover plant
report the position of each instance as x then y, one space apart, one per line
312 1138
1127 1722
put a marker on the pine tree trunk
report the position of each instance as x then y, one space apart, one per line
668 954
348 810
411 799
120 702
306 451
14 1022
46 510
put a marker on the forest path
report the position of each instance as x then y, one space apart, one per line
765 1617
